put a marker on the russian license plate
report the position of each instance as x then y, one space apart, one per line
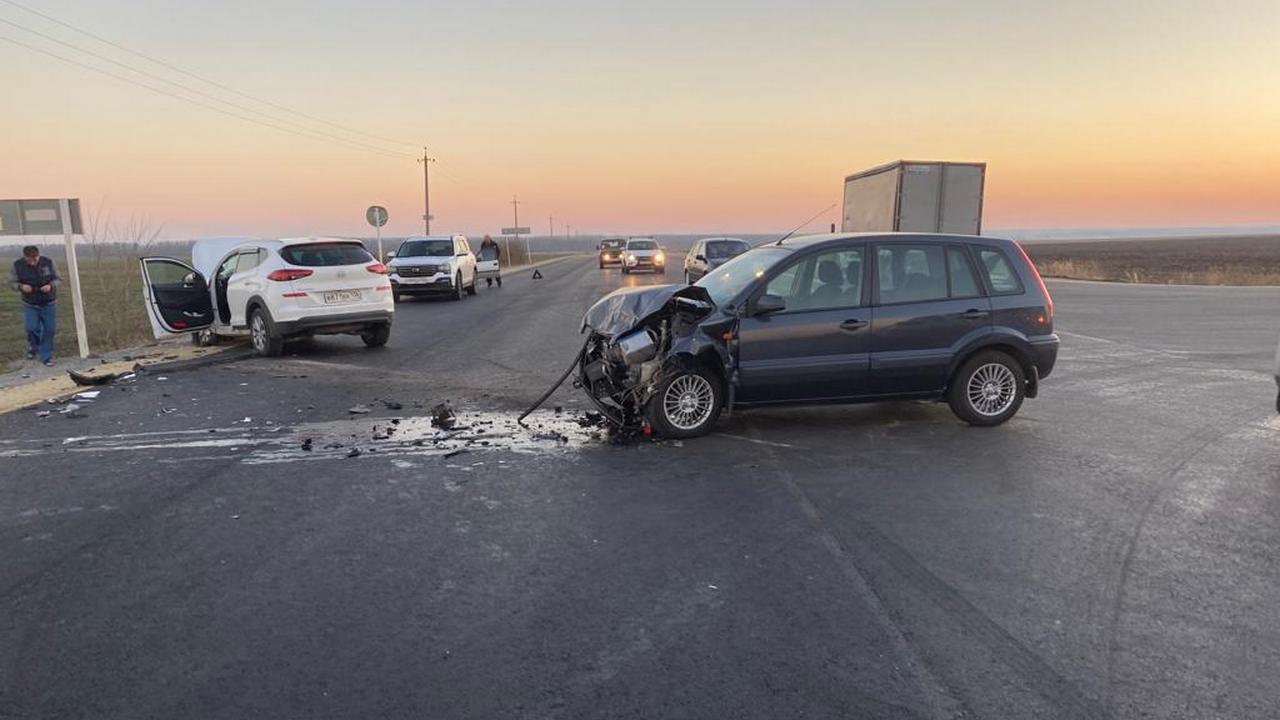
335 297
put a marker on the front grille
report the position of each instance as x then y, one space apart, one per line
417 270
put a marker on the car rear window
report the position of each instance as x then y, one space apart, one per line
721 249
326 254
999 271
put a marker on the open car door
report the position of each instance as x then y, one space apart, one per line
177 296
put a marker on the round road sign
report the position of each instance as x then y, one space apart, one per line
376 215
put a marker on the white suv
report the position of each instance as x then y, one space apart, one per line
272 290
436 265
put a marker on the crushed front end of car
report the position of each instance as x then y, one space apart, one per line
653 357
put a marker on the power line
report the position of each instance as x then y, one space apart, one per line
194 91
201 78
305 132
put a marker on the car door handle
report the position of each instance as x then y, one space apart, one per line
975 314
853 324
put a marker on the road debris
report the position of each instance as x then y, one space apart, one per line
442 416
359 410
90 380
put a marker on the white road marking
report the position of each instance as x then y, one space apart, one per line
757 441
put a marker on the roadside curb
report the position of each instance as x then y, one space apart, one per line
59 386
221 357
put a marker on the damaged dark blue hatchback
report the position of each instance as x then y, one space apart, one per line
826 318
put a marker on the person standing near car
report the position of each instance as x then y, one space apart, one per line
489 250
36 280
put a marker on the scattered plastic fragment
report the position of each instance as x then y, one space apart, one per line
359 410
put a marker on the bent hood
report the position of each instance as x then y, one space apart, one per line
625 309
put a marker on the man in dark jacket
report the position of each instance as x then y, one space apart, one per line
36 279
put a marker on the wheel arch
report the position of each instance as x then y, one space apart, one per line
1007 344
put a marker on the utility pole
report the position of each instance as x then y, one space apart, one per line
426 191
551 226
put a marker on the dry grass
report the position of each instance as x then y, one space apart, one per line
1253 260
111 286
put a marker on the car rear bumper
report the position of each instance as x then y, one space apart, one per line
346 322
1044 353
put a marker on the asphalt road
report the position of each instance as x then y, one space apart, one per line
1111 552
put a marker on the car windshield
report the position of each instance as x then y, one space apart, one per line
426 248
642 245
726 281
612 244
725 249
326 254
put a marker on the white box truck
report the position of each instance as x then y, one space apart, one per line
905 196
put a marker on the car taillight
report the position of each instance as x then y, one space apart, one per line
1044 291
291 274
377 269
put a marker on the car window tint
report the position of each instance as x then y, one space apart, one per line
999 272
911 273
828 280
723 249
248 261
165 272
227 268
642 245
425 248
963 283
326 254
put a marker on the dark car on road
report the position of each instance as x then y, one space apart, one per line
611 251
827 318
710 253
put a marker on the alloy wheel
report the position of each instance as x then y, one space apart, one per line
258 328
688 402
991 389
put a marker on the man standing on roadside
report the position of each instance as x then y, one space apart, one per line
36 279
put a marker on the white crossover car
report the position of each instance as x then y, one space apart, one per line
437 265
643 254
271 290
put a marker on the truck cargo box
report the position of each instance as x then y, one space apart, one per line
907 196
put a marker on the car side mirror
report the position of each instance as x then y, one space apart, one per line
391 255
700 258
767 304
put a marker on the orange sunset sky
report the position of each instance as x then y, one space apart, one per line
640 117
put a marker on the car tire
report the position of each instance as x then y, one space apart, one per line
376 335
601 264
686 404
395 296
457 286
988 389
625 271
471 289
262 331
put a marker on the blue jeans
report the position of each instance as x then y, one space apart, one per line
41 321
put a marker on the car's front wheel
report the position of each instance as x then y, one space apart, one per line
457 286
687 404
376 335
261 330
988 389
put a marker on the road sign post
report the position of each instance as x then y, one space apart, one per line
51 217
377 217
517 232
